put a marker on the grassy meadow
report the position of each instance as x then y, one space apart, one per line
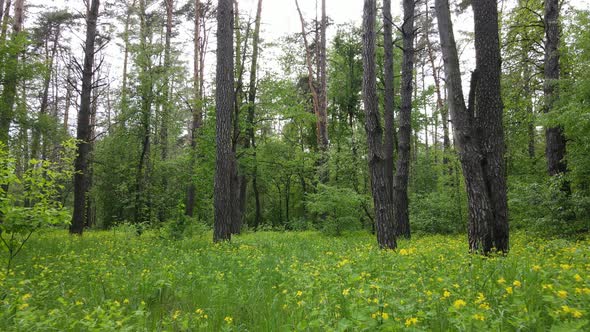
271 281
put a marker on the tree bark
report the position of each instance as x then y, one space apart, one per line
486 229
555 147
388 95
381 198
400 182
84 130
489 110
224 97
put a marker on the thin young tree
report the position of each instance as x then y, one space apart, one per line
381 198
84 127
224 103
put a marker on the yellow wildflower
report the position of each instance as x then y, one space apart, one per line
562 294
485 306
446 294
385 315
501 280
23 306
480 298
228 319
576 313
536 268
458 304
517 283
578 278
175 315
346 291
478 317
411 321
509 290
299 293
26 296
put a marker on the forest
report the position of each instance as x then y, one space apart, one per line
294 165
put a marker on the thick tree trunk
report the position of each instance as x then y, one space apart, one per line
388 95
489 111
197 113
400 182
381 198
84 130
487 228
555 146
224 98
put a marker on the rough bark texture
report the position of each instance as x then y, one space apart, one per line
489 114
197 114
84 129
555 140
476 149
224 98
388 95
400 181
166 107
381 198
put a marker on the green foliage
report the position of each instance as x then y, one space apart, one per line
545 208
293 281
336 209
31 201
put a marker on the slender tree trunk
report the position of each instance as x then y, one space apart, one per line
400 182
197 114
252 113
146 93
37 130
381 198
5 19
166 107
84 130
388 95
11 74
555 147
310 75
124 92
224 97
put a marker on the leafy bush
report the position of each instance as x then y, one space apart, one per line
438 213
544 207
336 209
30 201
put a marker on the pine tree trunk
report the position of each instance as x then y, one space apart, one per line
381 198
480 151
555 146
400 184
489 111
84 130
388 95
224 97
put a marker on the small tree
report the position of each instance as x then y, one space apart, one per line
33 200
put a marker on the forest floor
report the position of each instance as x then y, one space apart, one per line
270 281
